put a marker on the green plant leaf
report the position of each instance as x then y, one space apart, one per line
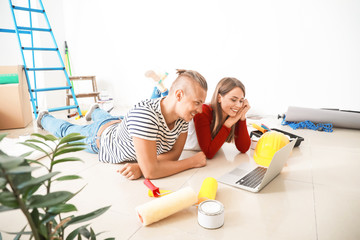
87 217
40 142
36 181
62 208
22 169
74 144
47 137
48 217
35 216
71 144
43 230
68 150
92 236
2 136
34 146
21 177
19 234
68 159
72 137
79 190
67 177
75 232
3 183
9 162
5 208
2 153
28 192
24 155
8 199
49 200
37 162
85 232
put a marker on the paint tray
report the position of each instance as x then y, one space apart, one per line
258 134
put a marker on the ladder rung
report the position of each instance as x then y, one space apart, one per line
62 108
35 29
50 89
13 31
39 49
45 69
28 9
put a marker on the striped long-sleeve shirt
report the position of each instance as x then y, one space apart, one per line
145 121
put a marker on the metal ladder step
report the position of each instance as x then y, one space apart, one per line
5 30
34 29
40 49
46 69
28 9
50 89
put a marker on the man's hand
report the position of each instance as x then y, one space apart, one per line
131 171
199 160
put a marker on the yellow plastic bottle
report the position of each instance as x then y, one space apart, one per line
208 190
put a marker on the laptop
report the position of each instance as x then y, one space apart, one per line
253 177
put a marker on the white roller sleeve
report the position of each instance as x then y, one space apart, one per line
165 206
340 119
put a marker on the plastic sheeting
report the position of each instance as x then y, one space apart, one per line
339 118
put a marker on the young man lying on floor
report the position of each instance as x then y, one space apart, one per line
152 134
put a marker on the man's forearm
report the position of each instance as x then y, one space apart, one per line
169 156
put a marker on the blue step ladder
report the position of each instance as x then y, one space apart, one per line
22 30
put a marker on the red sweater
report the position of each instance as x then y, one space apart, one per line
211 146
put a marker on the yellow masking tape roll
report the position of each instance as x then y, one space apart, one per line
165 206
208 190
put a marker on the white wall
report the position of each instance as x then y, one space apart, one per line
286 52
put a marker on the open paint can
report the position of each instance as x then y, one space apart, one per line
211 214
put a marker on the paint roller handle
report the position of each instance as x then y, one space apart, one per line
66 48
151 186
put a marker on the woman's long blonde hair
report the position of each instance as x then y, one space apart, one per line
223 87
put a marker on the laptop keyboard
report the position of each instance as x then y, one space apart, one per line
253 178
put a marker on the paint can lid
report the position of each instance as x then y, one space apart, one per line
211 207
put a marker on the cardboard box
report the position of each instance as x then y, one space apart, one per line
15 107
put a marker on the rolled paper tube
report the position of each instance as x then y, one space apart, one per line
341 119
208 190
165 206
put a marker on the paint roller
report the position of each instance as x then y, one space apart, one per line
165 206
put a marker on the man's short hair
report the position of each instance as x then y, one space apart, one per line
192 75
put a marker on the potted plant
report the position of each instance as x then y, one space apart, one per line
47 212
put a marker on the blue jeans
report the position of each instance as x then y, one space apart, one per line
61 128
